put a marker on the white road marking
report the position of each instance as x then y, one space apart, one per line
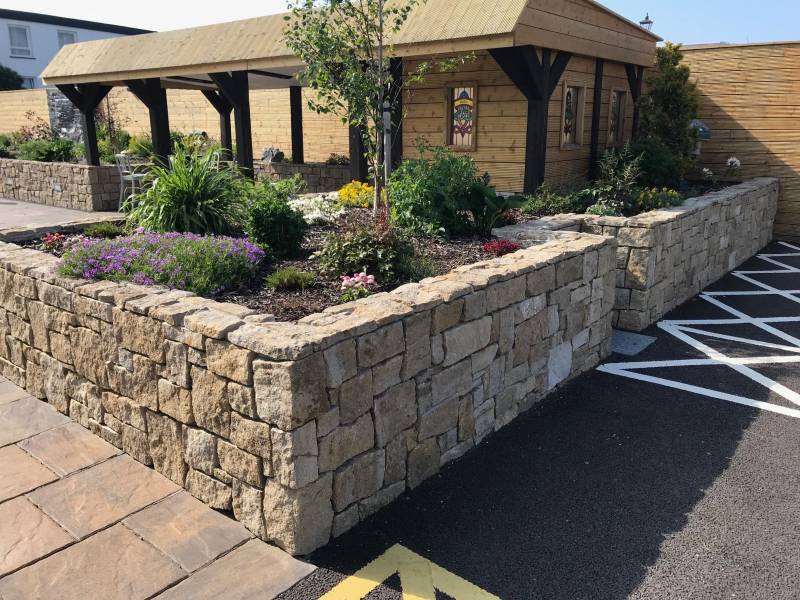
685 329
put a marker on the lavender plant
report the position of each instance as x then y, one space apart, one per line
205 265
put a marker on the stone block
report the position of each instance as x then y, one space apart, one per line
355 397
229 361
295 453
175 401
380 345
207 489
210 403
395 410
345 442
165 442
242 465
200 448
251 436
423 462
341 362
248 507
288 394
299 520
466 339
439 419
358 479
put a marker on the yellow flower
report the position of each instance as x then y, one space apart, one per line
356 194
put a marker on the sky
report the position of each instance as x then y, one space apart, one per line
686 21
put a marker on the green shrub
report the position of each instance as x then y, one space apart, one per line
290 186
485 207
427 194
653 198
270 221
140 146
6 146
660 167
187 261
189 194
549 201
416 267
290 278
379 251
105 229
60 150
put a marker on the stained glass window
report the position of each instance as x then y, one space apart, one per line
572 97
616 118
461 100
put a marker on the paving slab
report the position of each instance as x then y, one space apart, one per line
188 532
26 534
95 498
112 565
68 448
261 571
11 393
27 417
20 221
20 473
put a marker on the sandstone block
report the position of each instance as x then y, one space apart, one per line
200 449
379 345
139 334
175 401
439 419
355 397
387 374
341 362
240 464
466 339
360 478
395 411
248 507
288 394
251 436
294 455
345 442
165 443
209 402
229 361
207 489
299 521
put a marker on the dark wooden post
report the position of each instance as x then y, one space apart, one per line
224 108
358 161
296 113
154 97
597 100
86 97
236 89
537 80
396 69
635 77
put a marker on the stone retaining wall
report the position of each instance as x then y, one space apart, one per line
664 257
319 177
65 185
304 429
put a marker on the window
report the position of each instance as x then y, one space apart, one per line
461 112
66 37
572 115
28 83
20 37
616 118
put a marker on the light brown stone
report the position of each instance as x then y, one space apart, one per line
345 442
251 436
207 489
294 455
395 411
68 448
288 394
340 362
101 495
229 361
248 507
26 534
299 521
423 462
165 441
201 449
187 530
240 464
379 345
113 565
175 401
20 472
355 397
209 402
358 479
139 334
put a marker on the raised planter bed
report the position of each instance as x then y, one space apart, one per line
66 185
319 177
304 429
664 257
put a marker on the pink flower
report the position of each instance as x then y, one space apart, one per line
358 280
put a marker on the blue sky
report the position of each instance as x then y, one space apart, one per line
688 21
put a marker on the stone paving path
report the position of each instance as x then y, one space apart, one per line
80 520
21 221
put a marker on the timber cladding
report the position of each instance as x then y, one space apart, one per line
501 117
750 99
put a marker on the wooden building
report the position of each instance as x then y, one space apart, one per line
749 100
552 82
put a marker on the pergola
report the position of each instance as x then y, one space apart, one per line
227 60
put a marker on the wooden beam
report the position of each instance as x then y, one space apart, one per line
296 114
235 87
536 79
154 97
86 97
270 74
223 108
594 147
396 70
635 76
358 160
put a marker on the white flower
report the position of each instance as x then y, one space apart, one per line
733 163
316 209
708 173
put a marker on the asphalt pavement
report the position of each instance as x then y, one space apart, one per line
656 480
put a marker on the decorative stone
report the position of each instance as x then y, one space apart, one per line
175 401
165 442
355 397
240 464
379 345
248 507
299 520
252 436
340 362
345 442
177 369
209 402
200 449
229 361
361 477
439 419
294 455
207 489
466 339
139 334
395 411
288 394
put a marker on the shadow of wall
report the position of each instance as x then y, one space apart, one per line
750 99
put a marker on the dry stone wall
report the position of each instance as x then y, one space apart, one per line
304 429
319 177
65 185
664 257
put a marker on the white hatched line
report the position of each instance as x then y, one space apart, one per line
685 329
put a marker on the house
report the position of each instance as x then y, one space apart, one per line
549 83
29 41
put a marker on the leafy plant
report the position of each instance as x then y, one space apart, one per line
357 285
337 159
667 108
660 166
486 206
290 278
501 247
356 194
428 193
378 250
415 267
290 186
191 193
53 242
6 146
654 198
140 146
105 229
187 261
270 221
60 150
550 201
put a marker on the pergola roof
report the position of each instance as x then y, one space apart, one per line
182 58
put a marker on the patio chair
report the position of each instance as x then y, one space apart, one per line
129 178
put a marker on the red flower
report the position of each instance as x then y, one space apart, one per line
500 247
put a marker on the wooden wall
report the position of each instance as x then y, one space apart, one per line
15 105
501 118
750 98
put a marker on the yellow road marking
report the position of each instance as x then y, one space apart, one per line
419 579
